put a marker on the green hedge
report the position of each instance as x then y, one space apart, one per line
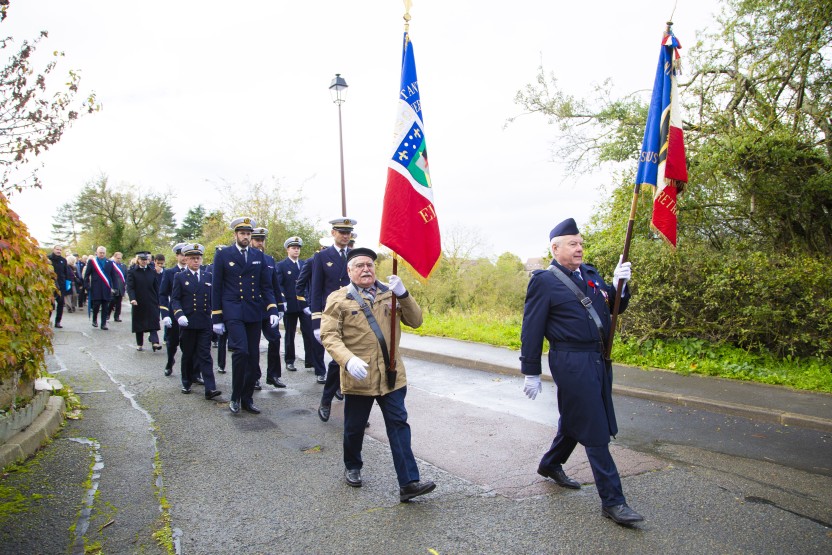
27 284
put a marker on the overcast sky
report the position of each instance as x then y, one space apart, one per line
197 93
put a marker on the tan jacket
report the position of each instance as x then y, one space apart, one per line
345 333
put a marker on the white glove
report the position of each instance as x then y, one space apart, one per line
532 386
183 321
396 285
274 320
317 333
167 322
357 368
284 307
307 311
622 271
219 329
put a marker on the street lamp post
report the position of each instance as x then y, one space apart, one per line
338 90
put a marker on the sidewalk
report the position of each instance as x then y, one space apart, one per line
763 402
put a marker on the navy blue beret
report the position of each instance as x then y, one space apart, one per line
566 227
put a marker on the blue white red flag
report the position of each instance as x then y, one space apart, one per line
408 221
662 159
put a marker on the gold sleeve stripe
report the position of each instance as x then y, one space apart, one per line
301 298
177 311
271 305
216 312
163 307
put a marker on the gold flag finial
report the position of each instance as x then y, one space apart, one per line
406 17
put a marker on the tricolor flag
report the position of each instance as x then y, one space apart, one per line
408 222
662 159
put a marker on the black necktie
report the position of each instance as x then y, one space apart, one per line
344 254
245 255
197 277
577 274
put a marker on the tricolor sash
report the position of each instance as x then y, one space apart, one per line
100 272
121 275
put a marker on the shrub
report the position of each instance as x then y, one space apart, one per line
27 286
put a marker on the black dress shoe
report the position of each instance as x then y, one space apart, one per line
353 477
156 347
251 407
560 478
140 348
221 370
257 386
234 406
276 382
621 514
320 379
211 394
58 325
415 489
291 367
308 364
323 412
339 395
94 324
186 390
199 381
168 371
117 320
104 327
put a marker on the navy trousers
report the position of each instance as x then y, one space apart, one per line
172 343
333 382
196 357
290 324
357 412
244 344
603 467
272 335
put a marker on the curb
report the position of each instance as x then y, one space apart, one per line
25 443
782 418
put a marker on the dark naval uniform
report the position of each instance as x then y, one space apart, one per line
272 334
171 333
583 378
241 289
329 273
191 297
287 275
302 289
119 284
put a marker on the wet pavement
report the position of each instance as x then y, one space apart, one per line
273 483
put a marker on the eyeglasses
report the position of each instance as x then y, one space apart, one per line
362 265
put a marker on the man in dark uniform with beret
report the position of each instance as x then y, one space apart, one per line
190 302
171 326
272 334
329 273
241 289
288 271
568 304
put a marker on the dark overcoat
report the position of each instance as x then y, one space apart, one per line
143 288
287 276
329 273
583 378
99 284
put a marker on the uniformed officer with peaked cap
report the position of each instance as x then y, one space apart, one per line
272 335
241 290
329 273
171 327
191 305
288 271
576 333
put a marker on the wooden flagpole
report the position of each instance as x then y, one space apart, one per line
625 255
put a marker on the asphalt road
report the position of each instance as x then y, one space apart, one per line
273 483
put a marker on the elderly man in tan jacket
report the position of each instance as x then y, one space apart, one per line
355 330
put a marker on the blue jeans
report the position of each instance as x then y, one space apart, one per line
357 412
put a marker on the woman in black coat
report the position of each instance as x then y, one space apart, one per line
143 292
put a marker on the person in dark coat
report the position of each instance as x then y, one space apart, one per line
271 334
329 273
288 271
61 277
120 273
80 266
190 301
143 292
241 290
171 327
99 276
554 311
